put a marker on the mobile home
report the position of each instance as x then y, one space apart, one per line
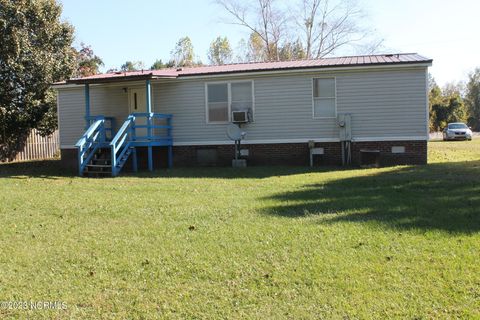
343 108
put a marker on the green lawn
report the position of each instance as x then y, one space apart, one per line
398 242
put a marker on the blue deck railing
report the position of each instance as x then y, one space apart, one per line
131 135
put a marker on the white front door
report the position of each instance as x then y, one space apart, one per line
138 104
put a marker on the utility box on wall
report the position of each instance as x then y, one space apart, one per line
345 124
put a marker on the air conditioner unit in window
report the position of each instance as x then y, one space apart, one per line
240 116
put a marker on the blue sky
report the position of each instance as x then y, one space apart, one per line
144 30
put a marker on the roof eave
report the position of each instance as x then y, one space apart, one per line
426 63
150 75
121 78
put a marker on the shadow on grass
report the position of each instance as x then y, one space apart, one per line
51 169
257 172
442 196
47 169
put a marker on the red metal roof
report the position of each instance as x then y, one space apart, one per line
350 61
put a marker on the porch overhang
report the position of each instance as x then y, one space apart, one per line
112 78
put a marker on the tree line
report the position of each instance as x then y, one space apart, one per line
279 31
455 102
220 52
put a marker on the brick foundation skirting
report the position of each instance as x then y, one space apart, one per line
69 161
415 152
296 154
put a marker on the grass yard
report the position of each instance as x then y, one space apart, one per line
399 242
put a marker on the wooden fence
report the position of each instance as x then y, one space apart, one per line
37 147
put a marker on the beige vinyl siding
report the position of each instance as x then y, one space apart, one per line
283 110
385 104
107 101
71 112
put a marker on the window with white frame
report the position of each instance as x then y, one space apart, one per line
324 98
223 98
217 102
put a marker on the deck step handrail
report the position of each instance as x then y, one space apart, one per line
110 128
88 144
120 144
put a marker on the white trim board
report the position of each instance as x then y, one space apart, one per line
303 140
382 139
246 142
280 141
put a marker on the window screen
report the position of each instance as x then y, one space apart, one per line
217 102
324 96
242 96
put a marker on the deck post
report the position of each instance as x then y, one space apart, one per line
150 159
170 147
149 122
87 105
170 157
134 160
113 160
149 96
79 161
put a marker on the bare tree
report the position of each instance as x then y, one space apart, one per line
322 25
328 25
370 46
262 18
257 50
241 52
183 54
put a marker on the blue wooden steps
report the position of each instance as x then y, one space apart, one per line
100 165
101 154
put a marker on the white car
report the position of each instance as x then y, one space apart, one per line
457 131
